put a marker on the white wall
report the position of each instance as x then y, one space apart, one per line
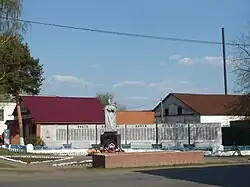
224 120
202 135
172 103
8 110
55 135
82 136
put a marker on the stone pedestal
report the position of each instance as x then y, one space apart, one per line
147 159
111 137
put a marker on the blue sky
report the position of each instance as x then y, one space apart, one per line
137 71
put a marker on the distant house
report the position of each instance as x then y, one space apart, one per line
51 117
198 108
6 110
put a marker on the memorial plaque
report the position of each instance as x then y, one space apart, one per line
111 137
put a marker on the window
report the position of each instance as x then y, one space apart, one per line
179 111
172 110
1 114
166 112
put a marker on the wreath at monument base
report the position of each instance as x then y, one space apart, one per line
109 149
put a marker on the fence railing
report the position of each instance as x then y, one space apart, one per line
233 148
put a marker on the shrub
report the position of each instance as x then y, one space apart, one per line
1 140
34 140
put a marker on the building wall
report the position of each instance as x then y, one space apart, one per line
134 117
172 104
224 120
14 135
8 110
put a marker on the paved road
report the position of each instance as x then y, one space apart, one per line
227 176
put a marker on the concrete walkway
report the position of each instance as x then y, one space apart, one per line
42 165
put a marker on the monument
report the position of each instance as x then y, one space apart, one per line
110 135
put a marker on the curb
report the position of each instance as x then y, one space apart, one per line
75 163
11 158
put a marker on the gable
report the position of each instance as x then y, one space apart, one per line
24 111
209 104
172 103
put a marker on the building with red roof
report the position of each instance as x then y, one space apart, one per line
42 115
68 120
200 108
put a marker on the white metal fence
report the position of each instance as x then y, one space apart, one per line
166 134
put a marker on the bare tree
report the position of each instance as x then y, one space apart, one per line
10 25
104 97
241 64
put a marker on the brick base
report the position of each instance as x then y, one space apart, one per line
146 159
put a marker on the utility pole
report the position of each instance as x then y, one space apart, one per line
162 117
224 60
162 121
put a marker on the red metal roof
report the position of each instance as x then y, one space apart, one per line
54 110
210 104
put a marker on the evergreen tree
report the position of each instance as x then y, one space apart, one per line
20 73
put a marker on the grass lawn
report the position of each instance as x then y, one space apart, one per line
3 165
32 159
6 152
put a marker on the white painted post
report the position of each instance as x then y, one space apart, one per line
29 148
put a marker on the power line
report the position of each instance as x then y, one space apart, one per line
126 33
142 105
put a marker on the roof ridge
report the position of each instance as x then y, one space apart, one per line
208 94
64 97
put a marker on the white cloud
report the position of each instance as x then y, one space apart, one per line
167 84
187 61
198 90
69 79
174 57
170 85
214 60
171 58
129 83
217 60
163 83
66 78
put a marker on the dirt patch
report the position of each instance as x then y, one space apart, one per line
3 165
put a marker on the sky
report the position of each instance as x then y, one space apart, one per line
138 71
